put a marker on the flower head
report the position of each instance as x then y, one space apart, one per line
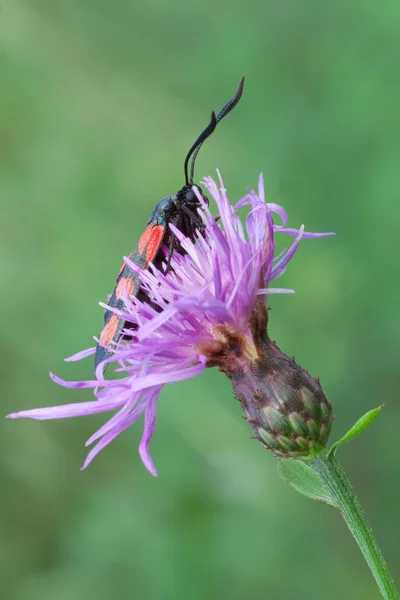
210 309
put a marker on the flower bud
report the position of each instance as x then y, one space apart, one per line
286 407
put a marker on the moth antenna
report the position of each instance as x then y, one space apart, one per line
203 136
222 113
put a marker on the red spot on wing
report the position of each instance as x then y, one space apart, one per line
126 283
109 330
122 268
151 240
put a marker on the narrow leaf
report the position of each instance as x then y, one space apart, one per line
359 426
304 479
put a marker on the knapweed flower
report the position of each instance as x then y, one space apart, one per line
210 310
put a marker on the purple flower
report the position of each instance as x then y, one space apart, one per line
212 309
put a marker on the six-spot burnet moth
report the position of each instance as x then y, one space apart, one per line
180 209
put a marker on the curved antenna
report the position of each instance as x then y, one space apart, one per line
203 136
222 113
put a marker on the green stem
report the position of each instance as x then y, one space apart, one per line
341 492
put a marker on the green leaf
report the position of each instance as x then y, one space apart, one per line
359 426
304 479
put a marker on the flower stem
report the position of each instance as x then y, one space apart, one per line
342 494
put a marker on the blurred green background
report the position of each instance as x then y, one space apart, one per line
99 103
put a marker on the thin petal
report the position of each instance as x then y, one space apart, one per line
306 234
279 210
116 419
280 266
80 355
108 438
74 384
169 377
265 291
149 424
239 282
151 326
79 409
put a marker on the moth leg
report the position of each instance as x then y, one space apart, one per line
172 243
193 217
187 228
